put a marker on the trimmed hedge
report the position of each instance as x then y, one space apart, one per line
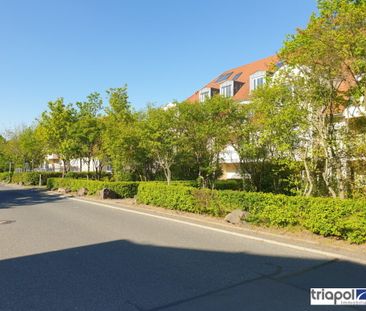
345 219
173 197
32 178
122 189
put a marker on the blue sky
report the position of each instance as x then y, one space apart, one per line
162 49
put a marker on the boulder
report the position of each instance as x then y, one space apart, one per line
106 193
236 216
63 190
82 192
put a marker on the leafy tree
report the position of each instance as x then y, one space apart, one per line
162 138
88 130
269 136
330 54
57 127
122 137
206 128
23 148
4 161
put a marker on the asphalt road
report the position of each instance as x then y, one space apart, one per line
60 254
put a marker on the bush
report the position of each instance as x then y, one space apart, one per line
32 178
90 175
174 196
5 177
122 189
345 219
230 184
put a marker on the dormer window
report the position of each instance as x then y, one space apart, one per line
257 80
226 89
230 88
206 93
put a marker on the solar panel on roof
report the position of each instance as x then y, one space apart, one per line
223 77
236 77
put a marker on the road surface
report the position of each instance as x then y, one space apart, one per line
60 254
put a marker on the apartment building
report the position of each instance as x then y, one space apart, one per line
237 83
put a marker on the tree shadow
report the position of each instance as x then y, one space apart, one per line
10 198
122 275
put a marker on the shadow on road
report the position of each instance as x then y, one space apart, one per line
10 198
121 275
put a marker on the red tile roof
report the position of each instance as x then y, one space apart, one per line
246 70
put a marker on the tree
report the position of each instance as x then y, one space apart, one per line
4 161
122 137
206 128
162 138
57 126
23 148
266 135
330 55
88 130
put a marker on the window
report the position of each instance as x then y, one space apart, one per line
204 94
257 80
236 77
223 77
226 89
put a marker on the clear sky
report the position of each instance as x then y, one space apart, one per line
162 49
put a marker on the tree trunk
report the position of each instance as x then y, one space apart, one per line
63 168
309 184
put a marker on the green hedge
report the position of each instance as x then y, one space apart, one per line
174 196
91 175
122 189
5 177
345 219
32 178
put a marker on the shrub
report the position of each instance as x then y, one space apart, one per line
5 177
122 189
230 184
174 197
90 175
345 219
32 178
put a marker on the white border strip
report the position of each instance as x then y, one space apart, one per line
236 234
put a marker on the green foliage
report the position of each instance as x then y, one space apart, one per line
23 148
122 189
57 127
160 135
231 184
205 130
5 177
32 178
122 139
91 175
344 219
173 197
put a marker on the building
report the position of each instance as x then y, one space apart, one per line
237 83
54 164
